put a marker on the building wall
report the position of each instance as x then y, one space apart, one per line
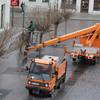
6 14
39 4
78 6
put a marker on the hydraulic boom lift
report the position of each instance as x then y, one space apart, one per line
92 39
89 43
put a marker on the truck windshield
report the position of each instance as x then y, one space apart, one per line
41 69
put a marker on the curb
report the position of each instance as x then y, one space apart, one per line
85 19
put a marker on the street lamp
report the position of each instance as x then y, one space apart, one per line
23 12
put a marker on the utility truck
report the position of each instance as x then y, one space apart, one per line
46 75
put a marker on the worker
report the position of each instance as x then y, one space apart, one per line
31 29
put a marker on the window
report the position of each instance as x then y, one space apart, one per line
45 1
97 5
40 68
33 0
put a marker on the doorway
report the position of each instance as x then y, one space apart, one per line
74 4
2 15
84 5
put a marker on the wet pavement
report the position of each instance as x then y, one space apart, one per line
84 86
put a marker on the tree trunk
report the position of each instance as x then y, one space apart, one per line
41 36
36 38
56 27
65 26
40 41
39 53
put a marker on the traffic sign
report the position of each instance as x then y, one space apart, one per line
14 2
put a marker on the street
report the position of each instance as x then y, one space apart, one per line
85 85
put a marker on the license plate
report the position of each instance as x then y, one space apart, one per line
35 83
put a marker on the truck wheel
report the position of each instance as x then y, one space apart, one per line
94 62
63 79
30 92
52 93
59 84
74 59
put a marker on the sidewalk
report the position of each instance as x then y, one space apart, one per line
75 16
85 16
28 16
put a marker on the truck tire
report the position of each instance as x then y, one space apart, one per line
94 62
30 92
74 59
59 84
52 93
64 77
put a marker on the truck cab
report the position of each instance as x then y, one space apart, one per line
45 75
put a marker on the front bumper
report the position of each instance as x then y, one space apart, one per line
38 90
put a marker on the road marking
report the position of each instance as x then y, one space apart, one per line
81 23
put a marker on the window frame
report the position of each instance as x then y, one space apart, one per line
45 1
32 0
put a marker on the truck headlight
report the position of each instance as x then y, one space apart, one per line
91 56
32 77
46 84
29 82
87 55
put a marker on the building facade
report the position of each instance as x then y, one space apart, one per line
30 4
89 6
4 14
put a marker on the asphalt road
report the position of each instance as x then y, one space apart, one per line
85 85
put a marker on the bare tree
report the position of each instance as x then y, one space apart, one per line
42 22
57 19
10 42
44 19
4 39
42 25
66 15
